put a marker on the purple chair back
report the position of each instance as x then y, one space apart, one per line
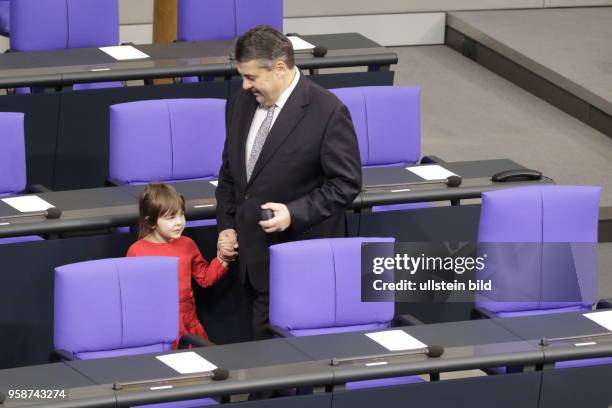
184 136
114 307
12 154
205 20
5 17
54 24
541 244
387 121
315 287
251 13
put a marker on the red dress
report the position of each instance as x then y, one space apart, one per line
191 264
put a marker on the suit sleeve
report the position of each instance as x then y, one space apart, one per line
225 192
341 166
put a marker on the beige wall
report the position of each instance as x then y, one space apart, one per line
404 22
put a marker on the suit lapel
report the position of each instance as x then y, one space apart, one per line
288 118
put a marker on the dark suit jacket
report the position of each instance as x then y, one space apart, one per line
310 162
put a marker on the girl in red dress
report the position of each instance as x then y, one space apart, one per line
162 221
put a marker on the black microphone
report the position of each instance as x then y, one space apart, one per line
546 341
51 213
450 181
430 351
218 374
319 51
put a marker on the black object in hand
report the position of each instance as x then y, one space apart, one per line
266 214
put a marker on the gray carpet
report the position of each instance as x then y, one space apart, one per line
470 113
569 47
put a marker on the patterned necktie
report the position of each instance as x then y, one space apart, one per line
260 139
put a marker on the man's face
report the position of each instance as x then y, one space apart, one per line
265 83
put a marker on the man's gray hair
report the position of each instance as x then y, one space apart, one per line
266 45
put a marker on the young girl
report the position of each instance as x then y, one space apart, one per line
162 220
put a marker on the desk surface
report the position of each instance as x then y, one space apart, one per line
117 206
68 66
283 363
476 179
559 325
58 376
467 345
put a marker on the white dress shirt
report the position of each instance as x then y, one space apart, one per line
262 111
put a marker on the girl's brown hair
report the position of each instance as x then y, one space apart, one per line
157 200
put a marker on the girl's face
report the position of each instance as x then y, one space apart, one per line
170 227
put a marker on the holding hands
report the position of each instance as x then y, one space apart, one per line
227 246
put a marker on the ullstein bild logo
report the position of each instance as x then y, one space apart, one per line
482 272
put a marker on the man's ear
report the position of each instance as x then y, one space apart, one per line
280 66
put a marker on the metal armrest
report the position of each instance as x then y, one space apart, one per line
63 355
407 320
193 340
431 160
110 182
478 313
38 188
278 331
604 304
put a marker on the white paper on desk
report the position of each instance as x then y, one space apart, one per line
214 182
187 363
124 52
602 318
431 172
299 44
27 203
395 340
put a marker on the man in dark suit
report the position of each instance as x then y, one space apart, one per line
290 148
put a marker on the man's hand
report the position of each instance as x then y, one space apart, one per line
227 245
281 220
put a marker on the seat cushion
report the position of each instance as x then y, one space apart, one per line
384 382
18 240
343 329
128 351
202 402
97 85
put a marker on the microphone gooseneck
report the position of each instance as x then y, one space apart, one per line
433 351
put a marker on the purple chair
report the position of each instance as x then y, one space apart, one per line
57 24
118 307
387 120
13 163
328 270
541 246
207 20
5 21
184 136
528 233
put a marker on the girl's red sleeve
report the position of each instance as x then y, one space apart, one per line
204 273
